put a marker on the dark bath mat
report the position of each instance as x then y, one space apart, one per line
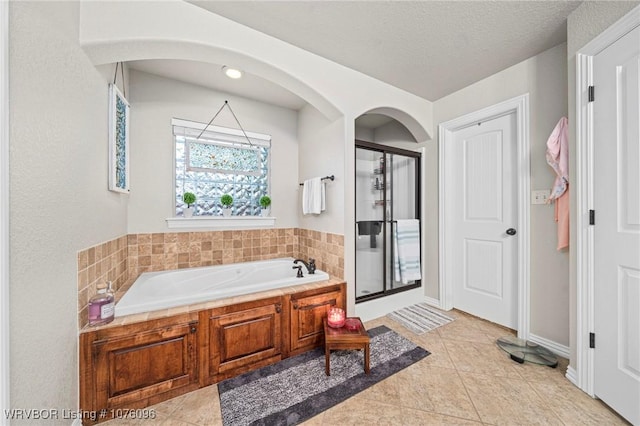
296 389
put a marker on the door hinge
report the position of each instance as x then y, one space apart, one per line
592 340
592 93
592 217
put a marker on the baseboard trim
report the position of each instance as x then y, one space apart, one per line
432 302
554 347
572 375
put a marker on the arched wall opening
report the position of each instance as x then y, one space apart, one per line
104 54
114 51
390 124
400 131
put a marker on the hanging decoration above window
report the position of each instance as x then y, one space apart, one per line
222 157
203 155
118 135
226 104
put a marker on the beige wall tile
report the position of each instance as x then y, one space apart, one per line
144 238
126 257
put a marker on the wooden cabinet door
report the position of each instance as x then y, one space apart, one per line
306 313
130 369
243 337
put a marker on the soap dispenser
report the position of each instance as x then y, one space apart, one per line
102 306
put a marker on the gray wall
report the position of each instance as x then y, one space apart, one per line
321 153
544 77
155 101
583 25
59 197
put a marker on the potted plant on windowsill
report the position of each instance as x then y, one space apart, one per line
227 201
265 202
189 198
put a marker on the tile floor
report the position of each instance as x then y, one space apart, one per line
467 379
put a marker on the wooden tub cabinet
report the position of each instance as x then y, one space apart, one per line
136 365
307 311
240 338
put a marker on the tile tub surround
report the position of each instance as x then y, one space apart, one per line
99 264
177 250
134 254
327 249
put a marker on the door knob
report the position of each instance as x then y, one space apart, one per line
511 231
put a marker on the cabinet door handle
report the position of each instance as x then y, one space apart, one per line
331 302
278 308
193 329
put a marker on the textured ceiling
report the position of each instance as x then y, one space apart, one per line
429 48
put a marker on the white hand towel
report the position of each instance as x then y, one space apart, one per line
312 196
323 196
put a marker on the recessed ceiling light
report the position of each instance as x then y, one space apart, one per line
232 72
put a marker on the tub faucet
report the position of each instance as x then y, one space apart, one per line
311 266
299 268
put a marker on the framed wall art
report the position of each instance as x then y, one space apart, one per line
118 141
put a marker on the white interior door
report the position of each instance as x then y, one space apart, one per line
483 221
616 75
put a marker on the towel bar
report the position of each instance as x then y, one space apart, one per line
332 177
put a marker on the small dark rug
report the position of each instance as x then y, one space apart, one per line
296 389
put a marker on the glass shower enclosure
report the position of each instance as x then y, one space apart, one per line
387 190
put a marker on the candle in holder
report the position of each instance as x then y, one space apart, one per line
335 318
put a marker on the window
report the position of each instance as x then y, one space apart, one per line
221 161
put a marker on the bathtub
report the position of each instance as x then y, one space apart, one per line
167 289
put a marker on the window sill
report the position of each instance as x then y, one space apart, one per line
221 222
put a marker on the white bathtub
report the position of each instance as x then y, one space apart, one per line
167 289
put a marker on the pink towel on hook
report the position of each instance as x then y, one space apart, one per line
558 159
562 218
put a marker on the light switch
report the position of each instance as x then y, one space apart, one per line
540 196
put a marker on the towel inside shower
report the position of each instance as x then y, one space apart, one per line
406 259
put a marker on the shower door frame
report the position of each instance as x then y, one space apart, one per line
386 149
